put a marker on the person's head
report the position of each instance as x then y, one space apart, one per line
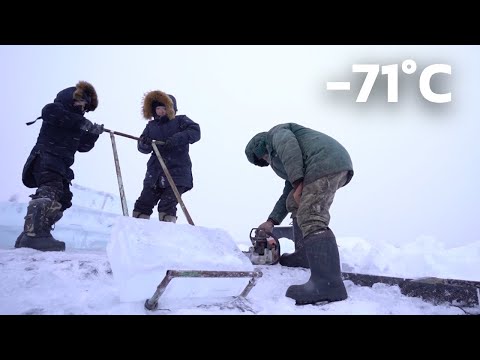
157 104
158 109
80 105
80 98
256 150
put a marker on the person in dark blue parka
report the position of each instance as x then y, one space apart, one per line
177 132
64 131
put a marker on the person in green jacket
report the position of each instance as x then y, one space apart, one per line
314 166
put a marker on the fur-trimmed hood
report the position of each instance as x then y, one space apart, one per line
82 91
159 96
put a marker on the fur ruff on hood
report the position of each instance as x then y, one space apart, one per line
86 91
158 96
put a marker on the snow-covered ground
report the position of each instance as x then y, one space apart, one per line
114 263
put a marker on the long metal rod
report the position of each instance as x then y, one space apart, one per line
121 134
119 175
164 167
172 183
152 303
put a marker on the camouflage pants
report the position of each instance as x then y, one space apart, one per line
54 187
313 213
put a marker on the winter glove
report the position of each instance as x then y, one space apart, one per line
146 140
96 129
86 125
92 128
167 145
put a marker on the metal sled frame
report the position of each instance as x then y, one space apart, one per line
152 303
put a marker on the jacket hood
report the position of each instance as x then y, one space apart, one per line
161 97
82 91
256 148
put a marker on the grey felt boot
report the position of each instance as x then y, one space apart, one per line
167 218
139 215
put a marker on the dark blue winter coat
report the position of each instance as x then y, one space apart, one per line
60 136
181 132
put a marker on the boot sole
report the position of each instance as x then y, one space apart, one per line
41 249
335 294
320 302
37 244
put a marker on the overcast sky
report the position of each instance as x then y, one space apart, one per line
415 162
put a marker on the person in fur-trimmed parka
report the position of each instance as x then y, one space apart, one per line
177 132
64 131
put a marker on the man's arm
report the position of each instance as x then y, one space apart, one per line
144 143
189 132
280 211
55 114
87 141
288 150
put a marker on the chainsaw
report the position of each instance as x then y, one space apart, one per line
265 249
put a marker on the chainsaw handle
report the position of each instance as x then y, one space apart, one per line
256 236
253 237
